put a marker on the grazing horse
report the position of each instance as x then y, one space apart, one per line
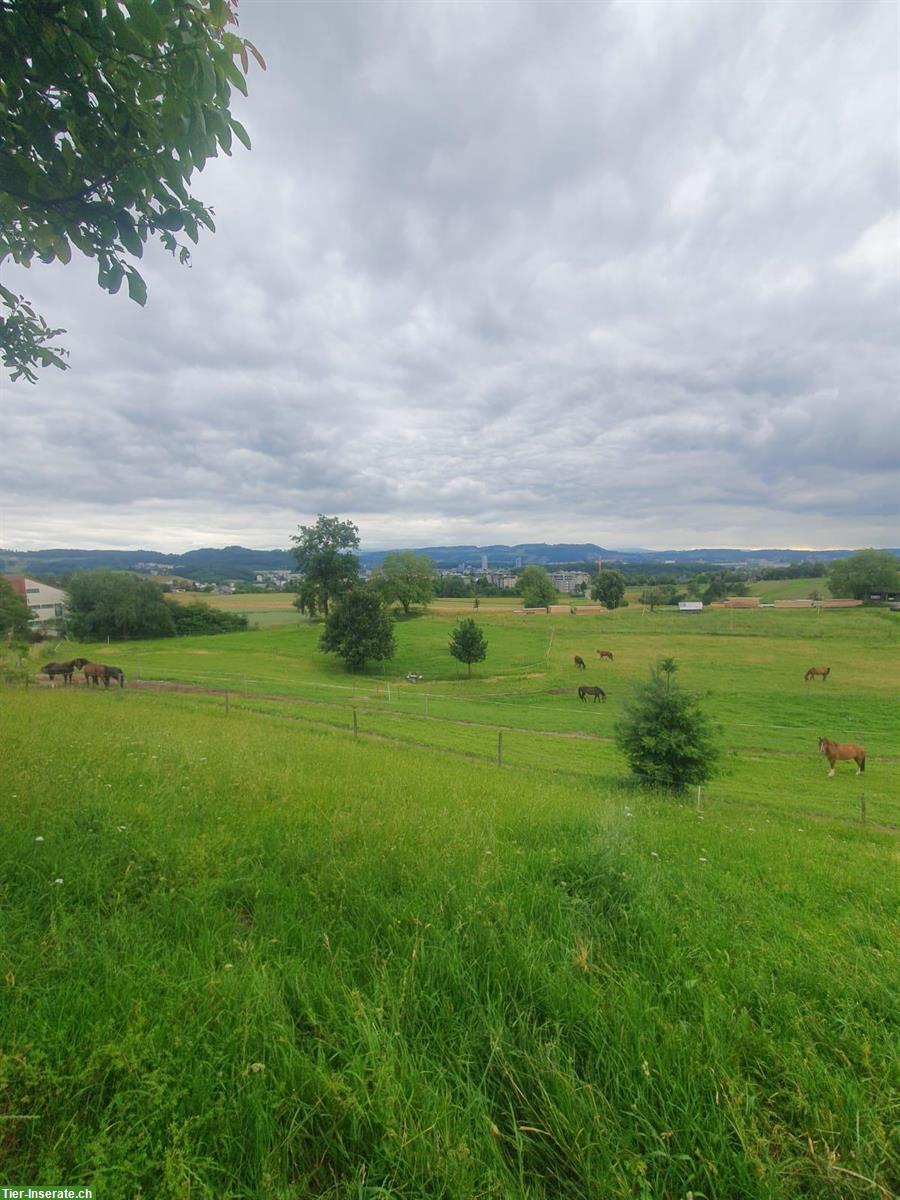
597 692
580 663
94 672
814 671
66 669
838 751
605 654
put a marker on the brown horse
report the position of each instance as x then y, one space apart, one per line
596 692
605 654
66 669
94 672
814 671
838 751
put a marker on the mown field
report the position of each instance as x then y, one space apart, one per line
245 953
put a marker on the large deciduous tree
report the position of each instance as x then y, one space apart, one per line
468 644
113 604
609 588
323 556
406 578
106 111
862 574
536 588
359 629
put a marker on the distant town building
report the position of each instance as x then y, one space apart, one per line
277 578
47 604
568 581
502 579
155 568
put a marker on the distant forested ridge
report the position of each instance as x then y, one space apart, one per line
212 565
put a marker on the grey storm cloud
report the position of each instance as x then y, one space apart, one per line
626 272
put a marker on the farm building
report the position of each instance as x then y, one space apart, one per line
690 606
47 604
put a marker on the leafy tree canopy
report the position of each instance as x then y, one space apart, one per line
863 573
453 585
359 629
467 643
407 578
536 588
665 735
113 604
323 556
609 588
15 615
106 111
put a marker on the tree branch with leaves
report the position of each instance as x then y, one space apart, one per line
106 111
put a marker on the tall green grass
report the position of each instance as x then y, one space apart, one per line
283 962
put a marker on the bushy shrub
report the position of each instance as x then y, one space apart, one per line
199 617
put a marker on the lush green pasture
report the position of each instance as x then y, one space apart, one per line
790 589
750 663
242 956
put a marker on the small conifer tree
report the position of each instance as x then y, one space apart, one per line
665 735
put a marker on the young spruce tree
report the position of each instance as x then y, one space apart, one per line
665 735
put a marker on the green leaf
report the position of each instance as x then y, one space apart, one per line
111 280
240 131
137 289
172 219
146 20
129 235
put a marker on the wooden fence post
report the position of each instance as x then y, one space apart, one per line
355 724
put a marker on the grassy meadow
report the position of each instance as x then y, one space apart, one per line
247 954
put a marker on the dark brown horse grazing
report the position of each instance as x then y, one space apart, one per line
596 692
94 672
814 671
66 669
605 654
579 663
838 751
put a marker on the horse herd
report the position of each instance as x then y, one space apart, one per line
833 751
93 672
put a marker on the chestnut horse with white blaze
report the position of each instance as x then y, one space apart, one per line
840 751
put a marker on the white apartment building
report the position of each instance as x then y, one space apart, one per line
47 604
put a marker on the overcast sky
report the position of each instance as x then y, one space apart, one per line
501 271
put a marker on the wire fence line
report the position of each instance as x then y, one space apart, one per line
421 705
396 693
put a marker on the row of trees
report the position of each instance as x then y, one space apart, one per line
325 556
117 605
359 627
